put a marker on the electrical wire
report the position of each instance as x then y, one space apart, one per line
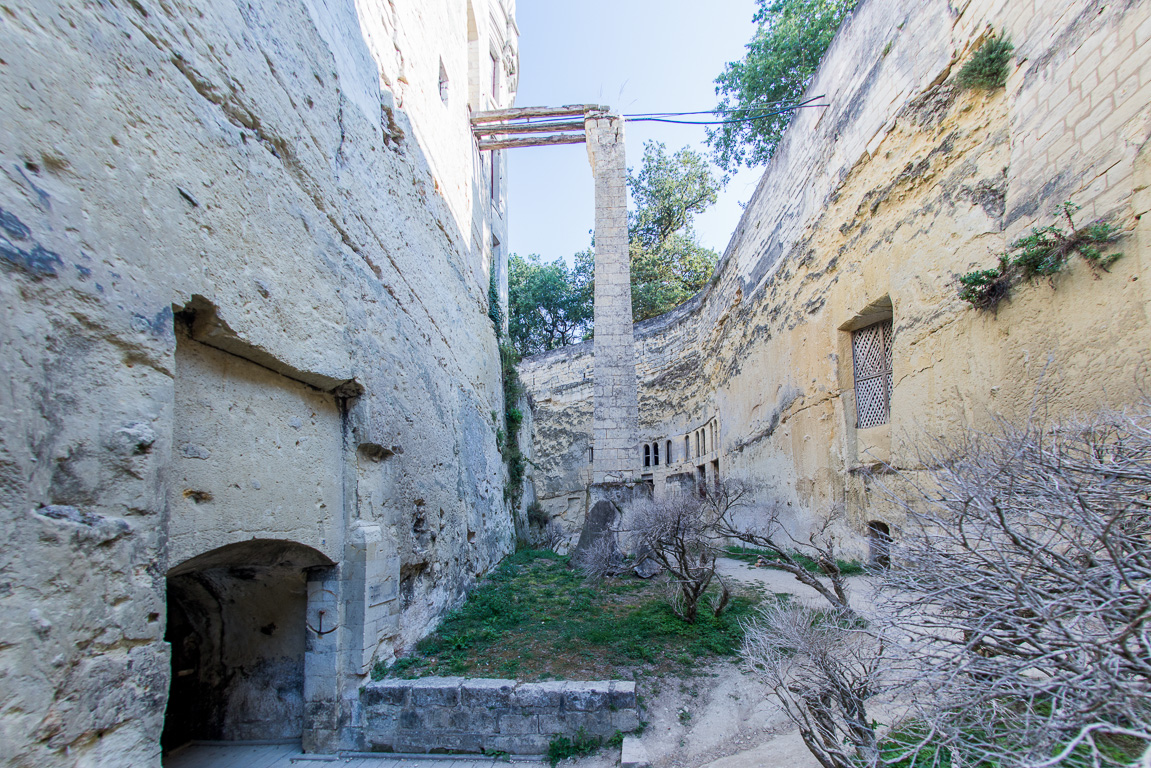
718 110
801 105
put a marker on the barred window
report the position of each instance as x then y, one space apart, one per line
871 349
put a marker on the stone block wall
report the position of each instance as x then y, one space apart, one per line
878 203
246 314
455 714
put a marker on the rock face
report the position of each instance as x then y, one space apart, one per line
862 222
246 443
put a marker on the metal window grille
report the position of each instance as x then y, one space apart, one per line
871 348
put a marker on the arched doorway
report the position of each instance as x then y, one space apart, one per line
238 620
879 536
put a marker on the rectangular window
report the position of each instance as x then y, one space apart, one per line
495 79
871 351
494 181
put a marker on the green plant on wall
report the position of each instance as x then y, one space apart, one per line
1043 252
507 438
988 67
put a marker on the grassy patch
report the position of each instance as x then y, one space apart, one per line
904 748
535 618
751 555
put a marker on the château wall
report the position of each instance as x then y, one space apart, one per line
245 251
871 209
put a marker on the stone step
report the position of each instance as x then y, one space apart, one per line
633 754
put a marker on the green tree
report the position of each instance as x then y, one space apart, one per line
790 39
549 305
668 266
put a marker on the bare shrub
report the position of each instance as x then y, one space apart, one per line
770 534
550 536
600 560
823 665
1021 584
679 533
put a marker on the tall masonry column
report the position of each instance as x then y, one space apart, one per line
615 420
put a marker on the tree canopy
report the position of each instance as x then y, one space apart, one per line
790 39
549 305
668 266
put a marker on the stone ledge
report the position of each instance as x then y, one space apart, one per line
462 715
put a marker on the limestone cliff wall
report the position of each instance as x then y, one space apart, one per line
244 263
872 208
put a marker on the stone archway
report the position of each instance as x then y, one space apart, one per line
242 626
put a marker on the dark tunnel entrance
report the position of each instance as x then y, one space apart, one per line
237 619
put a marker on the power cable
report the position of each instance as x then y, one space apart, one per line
718 110
801 105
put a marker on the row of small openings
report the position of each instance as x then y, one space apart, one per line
703 438
651 453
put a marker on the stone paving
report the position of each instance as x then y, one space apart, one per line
291 756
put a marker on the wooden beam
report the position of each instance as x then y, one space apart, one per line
494 128
533 141
519 113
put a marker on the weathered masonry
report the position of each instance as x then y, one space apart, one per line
832 339
612 450
454 714
246 444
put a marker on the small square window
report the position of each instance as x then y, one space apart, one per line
871 351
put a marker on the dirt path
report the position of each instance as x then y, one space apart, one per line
723 718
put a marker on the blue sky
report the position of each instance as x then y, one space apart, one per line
634 56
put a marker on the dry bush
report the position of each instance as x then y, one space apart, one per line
680 533
823 665
1021 587
601 560
770 534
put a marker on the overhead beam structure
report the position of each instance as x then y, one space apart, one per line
615 419
533 126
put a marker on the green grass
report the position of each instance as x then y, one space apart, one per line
561 747
750 555
535 617
1115 749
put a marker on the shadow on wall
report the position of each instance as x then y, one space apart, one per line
237 625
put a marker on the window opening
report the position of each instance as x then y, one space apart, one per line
880 539
871 350
686 447
495 78
655 454
443 82
667 454
646 455
494 188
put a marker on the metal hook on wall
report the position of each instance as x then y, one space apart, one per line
321 631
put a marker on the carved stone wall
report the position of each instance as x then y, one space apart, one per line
870 210
245 251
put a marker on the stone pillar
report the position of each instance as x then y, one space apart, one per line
321 652
615 421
